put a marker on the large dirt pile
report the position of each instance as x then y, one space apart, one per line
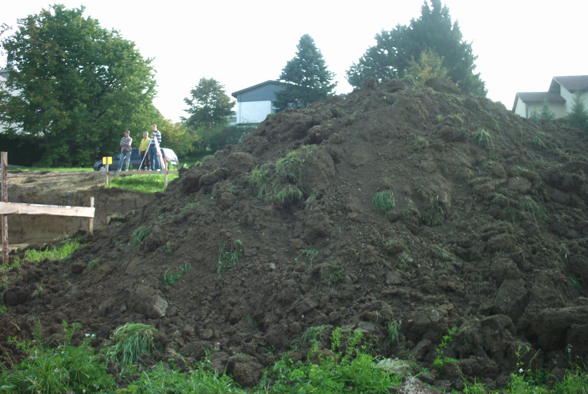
417 207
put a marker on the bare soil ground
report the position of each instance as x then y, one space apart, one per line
489 234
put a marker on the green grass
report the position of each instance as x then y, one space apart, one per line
139 235
131 341
171 276
384 200
57 253
144 183
344 369
64 369
201 379
283 181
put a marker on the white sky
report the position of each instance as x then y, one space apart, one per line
520 44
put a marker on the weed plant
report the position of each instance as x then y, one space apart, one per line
283 180
483 138
393 331
139 235
170 277
229 256
57 253
201 379
131 341
64 369
440 358
345 368
384 200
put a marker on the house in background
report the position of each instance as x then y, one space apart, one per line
559 99
255 103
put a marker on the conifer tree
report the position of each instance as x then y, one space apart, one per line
434 32
306 77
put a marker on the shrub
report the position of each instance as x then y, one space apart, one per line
384 200
66 368
131 341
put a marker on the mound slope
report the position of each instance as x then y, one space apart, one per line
418 207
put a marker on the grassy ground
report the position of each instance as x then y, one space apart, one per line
144 183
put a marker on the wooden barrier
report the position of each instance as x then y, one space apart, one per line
16 208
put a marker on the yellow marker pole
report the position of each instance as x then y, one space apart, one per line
107 161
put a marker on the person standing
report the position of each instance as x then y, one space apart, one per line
125 149
154 148
144 151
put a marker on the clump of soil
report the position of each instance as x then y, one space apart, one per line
483 226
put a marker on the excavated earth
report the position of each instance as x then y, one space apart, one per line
489 234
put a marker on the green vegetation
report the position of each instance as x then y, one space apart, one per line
131 341
144 183
201 379
139 235
69 102
442 253
309 255
283 181
384 200
229 256
336 362
308 79
57 253
432 33
440 358
483 138
170 276
66 368
344 368
393 330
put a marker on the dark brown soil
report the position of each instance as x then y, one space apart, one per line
489 234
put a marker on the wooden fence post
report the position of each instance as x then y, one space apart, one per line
91 220
4 175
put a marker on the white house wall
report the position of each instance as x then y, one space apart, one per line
253 111
558 110
571 99
521 108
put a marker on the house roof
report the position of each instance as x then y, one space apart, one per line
259 85
573 83
539 97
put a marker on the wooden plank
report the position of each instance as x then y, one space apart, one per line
15 208
4 171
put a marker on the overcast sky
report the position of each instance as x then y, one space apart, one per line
520 44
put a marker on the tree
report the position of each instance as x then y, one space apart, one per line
74 84
306 77
578 116
209 105
434 32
